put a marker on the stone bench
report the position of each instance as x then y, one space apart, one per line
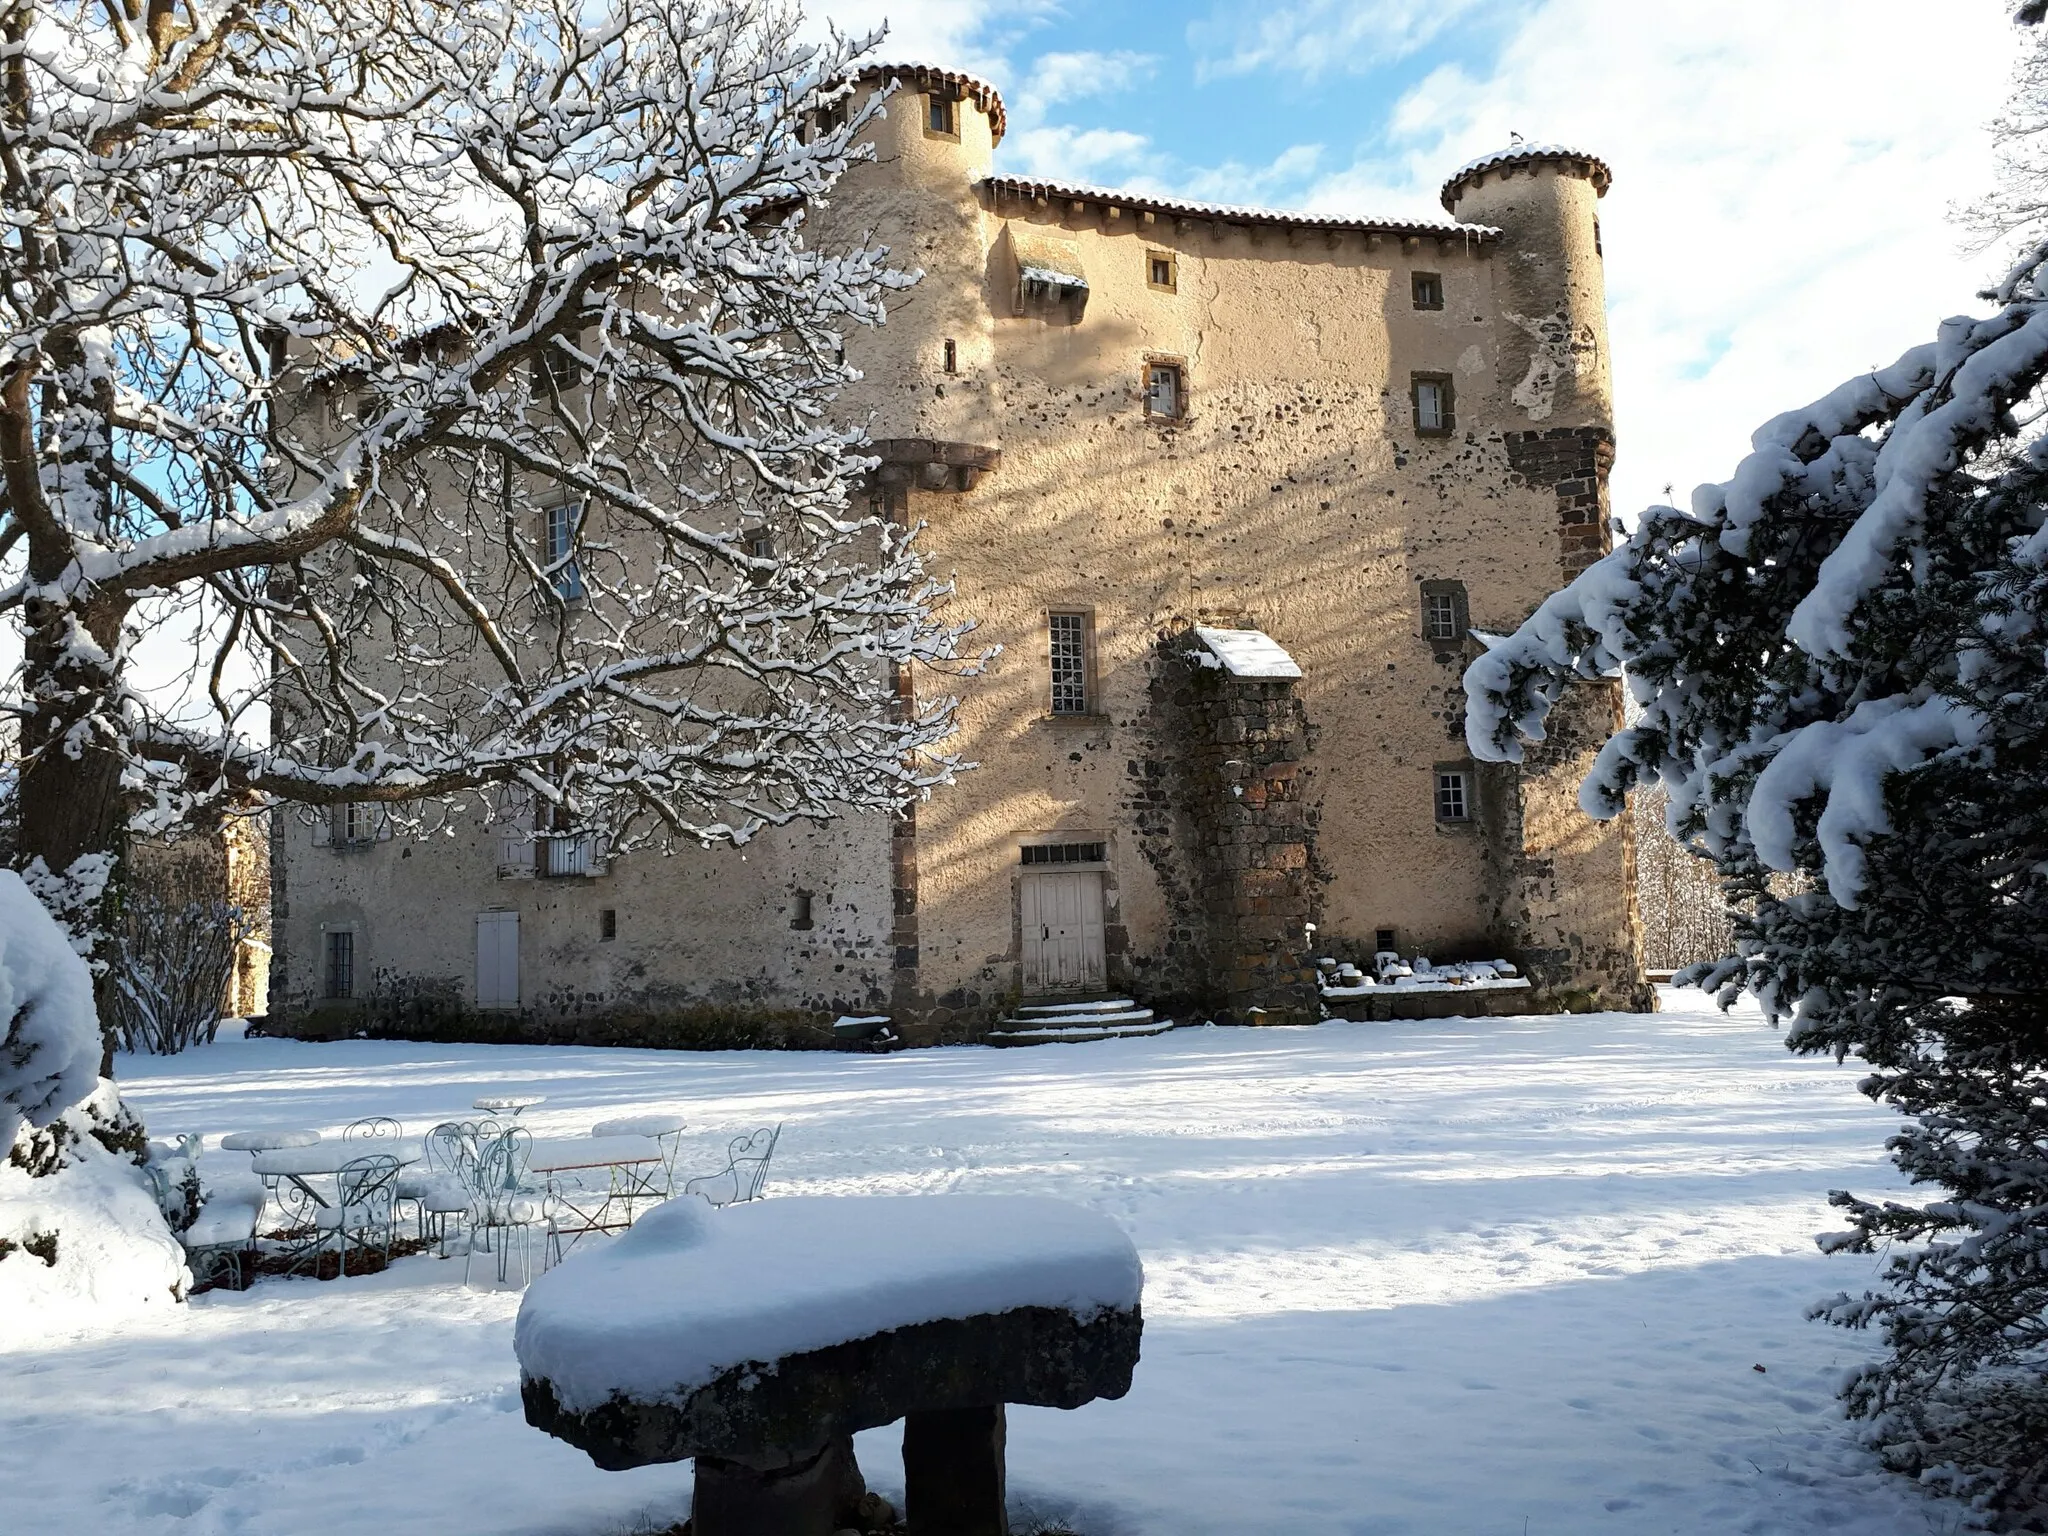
759 1339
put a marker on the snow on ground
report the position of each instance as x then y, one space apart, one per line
1489 1276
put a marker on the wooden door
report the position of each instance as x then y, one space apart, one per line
1062 920
497 959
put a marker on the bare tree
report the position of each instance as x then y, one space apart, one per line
461 373
170 966
1684 909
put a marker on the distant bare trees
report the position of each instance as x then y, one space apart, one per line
1685 913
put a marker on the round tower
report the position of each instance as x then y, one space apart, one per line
1554 365
930 372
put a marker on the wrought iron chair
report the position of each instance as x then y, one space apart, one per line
373 1128
504 1201
365 1210
439 1185
745 1173
222 1237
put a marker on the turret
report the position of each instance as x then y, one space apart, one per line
929 398
1554 364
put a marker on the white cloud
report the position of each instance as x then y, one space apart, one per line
1780 212
1311 37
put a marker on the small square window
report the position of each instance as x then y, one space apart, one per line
1165 396
341 963
952 359
800 909
559 529
1160 270
1428 289
1439 616
942 115
1453 795
1431 395
1069 663
1383 941
608 923
761 544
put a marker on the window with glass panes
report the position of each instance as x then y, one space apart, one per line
1453 795
560 539
1163 396
1069 663
1439 616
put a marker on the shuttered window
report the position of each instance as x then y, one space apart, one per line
497 959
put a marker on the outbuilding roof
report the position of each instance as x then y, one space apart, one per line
1248 652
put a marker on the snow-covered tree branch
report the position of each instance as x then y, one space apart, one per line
462 374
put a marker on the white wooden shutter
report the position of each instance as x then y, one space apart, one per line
323 828
497 959
513 826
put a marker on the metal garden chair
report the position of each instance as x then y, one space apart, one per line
745 1173
439 1185
365 1211
504 1201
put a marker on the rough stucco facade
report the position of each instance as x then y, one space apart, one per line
1283 483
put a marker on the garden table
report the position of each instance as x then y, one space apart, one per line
267 1141
633 1167
300 1163
510 1104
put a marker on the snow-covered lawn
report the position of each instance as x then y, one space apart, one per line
1497 1276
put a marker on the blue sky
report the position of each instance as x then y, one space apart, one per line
1784 169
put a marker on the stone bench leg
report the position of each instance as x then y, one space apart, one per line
953 1472
808 1493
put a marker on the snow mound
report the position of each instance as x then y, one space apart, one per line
89 1244
689 1292
50 1047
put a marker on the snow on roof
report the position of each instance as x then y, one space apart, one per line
1031 187
980 91
689 1291
1597 170
1248 652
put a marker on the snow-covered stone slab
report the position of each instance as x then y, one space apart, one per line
759 1338
1248 652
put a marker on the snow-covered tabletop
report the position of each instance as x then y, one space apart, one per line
509 1103
555 1154
640 1125
267 1141
331 1156
689 1291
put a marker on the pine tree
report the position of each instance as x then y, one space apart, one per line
1841 658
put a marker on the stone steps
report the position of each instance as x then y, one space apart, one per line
1076 1021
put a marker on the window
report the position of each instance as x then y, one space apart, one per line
1431 393
608 923
942 115
1428 289
1444 620
1069 632
1164 396
761 544
355 824
1065 853
800 909
952 356
1453 795
831 117
341 963
1383 942
561 527
1159 270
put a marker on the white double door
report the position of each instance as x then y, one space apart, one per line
1063 948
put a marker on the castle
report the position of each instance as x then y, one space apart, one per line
1233 490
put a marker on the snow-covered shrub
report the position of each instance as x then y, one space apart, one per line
81 1236
49 1032
1841 659
171 966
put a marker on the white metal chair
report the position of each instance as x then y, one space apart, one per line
438 1186
504 1201
223 1234
364 1211
745 1173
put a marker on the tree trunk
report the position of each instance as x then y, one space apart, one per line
71 799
